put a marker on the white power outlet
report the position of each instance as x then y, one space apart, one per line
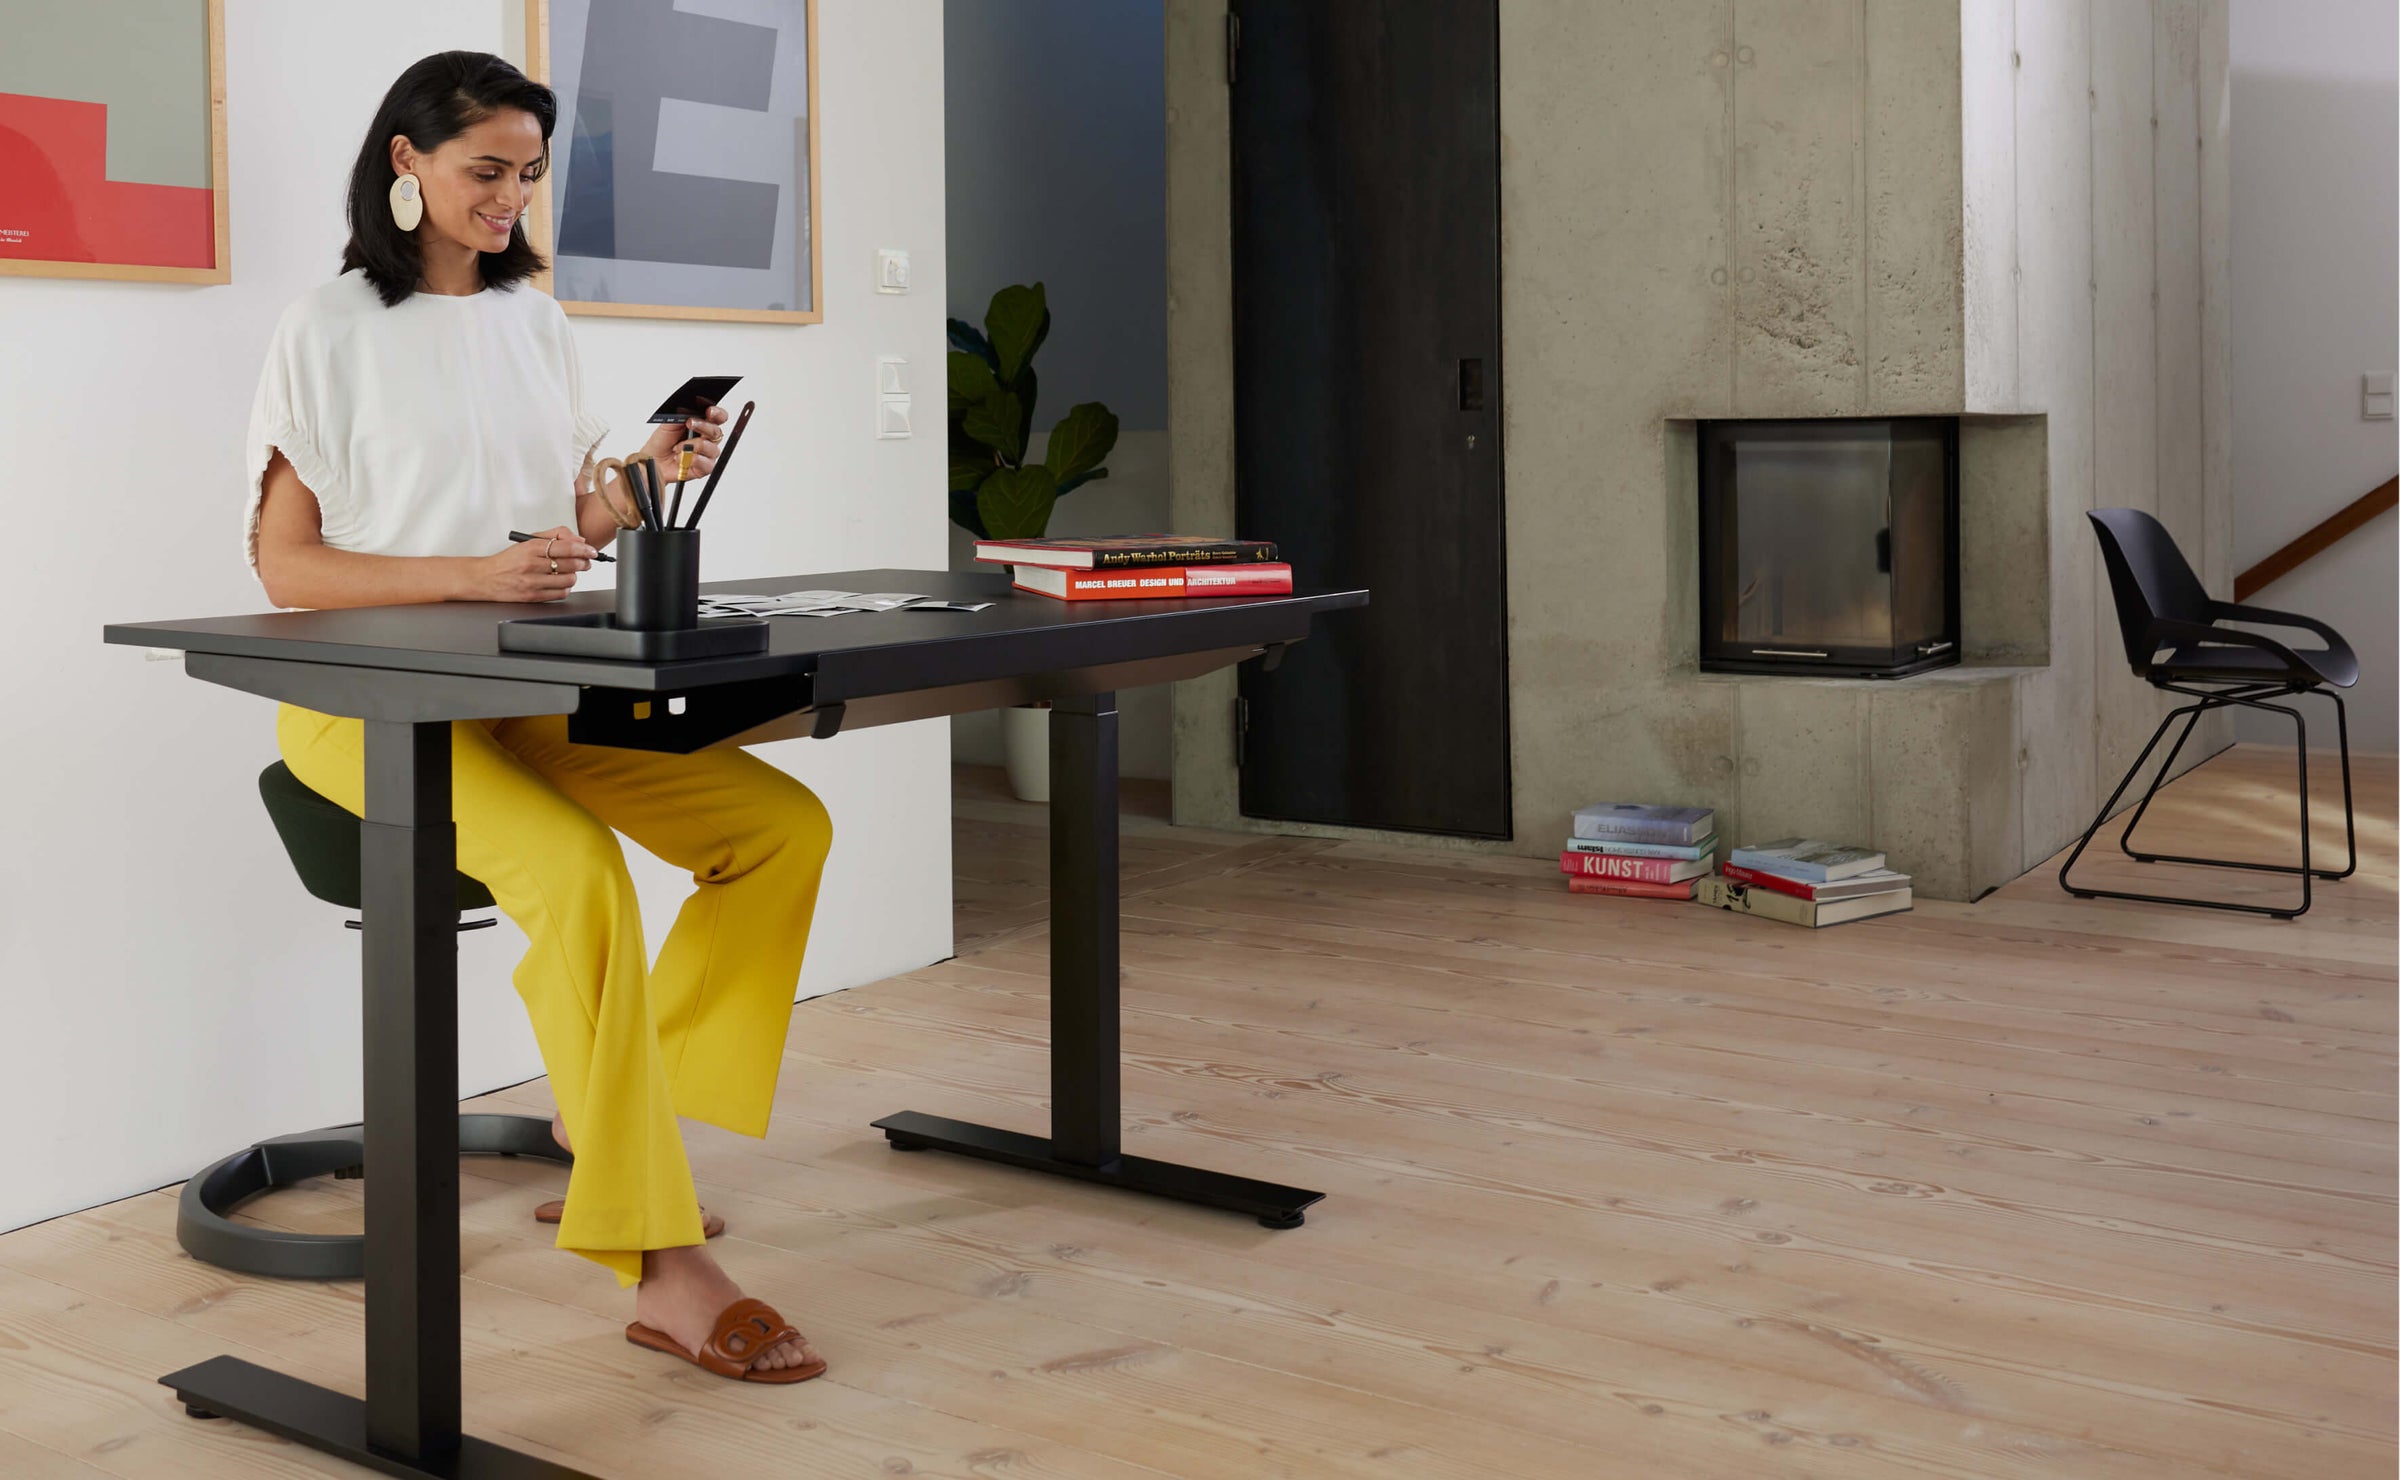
891 270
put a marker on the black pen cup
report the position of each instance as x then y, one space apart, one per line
658 579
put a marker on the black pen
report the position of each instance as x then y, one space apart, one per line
521 537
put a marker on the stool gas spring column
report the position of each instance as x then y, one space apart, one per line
409 1423
1085 1085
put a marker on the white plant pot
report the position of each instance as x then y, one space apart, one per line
1025 736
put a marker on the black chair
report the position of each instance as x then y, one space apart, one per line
2176 640
322 840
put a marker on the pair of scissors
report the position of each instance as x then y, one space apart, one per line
625 502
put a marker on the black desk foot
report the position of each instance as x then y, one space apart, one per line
1271 1203
336 1423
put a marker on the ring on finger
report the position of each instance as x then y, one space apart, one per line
554 567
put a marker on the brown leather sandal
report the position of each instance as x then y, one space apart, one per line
550 1212
746 1330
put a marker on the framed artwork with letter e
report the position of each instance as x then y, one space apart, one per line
112 140
683 169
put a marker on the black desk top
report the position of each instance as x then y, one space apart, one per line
850 656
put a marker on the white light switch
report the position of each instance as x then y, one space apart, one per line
891 270
891 417
891 375
2375 397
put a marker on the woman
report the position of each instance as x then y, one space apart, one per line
413 411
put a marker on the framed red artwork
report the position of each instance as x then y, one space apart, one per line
112 141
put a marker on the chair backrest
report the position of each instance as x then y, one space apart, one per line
322 840
2149 578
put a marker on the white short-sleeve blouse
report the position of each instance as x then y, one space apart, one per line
432 428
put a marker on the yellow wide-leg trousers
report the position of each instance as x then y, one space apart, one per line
628 1046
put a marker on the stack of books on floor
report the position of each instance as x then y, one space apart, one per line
1801 881
1142 567
1639 851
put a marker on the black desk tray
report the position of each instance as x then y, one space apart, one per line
597 635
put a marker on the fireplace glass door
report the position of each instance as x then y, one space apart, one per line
1829 546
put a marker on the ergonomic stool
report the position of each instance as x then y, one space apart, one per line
322 840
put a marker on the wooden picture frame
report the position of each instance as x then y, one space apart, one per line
133 206
544 211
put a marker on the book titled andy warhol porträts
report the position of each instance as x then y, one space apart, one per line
1117 552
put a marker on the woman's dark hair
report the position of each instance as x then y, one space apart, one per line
434 102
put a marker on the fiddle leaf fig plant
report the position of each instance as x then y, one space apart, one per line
994 492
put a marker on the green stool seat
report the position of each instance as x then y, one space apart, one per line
322 840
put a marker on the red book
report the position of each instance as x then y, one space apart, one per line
1626 869
1877 881
1777 882
1157 582
1631 888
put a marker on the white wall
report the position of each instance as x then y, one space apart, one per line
170 991
2316 304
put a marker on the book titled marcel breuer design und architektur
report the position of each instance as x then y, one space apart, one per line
1156 582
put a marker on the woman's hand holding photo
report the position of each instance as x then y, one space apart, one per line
704 436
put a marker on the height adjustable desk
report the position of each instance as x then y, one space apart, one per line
409 671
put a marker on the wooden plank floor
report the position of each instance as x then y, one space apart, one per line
2036 1187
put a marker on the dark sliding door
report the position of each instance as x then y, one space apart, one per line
1366 277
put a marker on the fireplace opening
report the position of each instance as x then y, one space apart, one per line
1829 547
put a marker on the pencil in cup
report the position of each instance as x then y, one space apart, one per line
733 439
683 475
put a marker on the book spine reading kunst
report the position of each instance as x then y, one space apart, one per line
1644 870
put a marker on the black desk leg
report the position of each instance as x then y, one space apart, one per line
1085 1106
409 1422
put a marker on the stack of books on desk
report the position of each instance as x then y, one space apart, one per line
1140 567
1639 851
1801 881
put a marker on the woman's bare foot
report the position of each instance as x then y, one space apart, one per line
558 1131
682 1293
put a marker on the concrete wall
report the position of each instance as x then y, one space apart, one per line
172 993
2316 304
1056 127
1826 208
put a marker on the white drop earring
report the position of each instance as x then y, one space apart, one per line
408 203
